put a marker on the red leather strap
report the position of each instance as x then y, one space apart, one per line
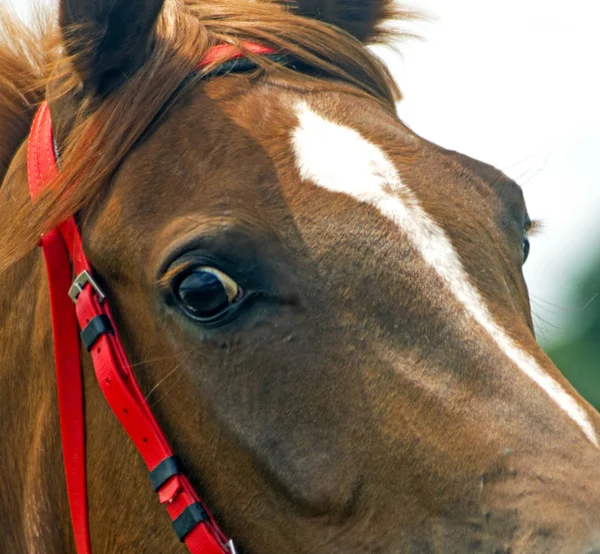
63 252
226 52
41 166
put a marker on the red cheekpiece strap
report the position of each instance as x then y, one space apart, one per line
82 302
41 168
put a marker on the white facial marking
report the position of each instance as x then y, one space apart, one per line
339 159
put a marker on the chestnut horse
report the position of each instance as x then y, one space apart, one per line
326 312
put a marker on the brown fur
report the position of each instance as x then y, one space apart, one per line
352 406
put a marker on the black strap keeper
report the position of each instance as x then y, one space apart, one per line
95 329
189 518
164 471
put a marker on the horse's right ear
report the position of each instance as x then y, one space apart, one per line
108 39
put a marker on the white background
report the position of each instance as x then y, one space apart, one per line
515 83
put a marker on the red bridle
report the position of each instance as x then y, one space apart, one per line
82 304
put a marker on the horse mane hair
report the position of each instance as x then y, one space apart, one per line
34 67
19 90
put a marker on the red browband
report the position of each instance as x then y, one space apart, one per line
82 304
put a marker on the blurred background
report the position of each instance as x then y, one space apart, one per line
515 83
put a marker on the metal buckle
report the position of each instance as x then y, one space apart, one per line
83 279
231 546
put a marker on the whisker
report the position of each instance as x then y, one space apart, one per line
153 360
539 300
170 389
526 159
529 173
163 379
548 325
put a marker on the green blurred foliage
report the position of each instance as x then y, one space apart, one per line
579 357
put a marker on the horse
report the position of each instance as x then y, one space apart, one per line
325 312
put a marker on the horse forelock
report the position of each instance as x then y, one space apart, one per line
20 90
101 132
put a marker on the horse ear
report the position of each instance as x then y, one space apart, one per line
108 39
360 18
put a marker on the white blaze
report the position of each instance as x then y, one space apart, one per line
340 159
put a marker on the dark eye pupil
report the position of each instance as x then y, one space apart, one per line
203 294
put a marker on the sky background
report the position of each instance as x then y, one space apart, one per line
515 83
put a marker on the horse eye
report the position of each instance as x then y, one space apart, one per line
205 293
526 249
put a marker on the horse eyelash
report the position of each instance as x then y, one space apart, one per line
536 227
166 281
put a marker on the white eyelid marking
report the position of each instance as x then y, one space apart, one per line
341 160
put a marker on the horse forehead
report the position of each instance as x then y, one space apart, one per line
338 157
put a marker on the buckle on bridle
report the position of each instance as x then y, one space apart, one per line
83 279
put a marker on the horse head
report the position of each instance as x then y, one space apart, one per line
326 311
